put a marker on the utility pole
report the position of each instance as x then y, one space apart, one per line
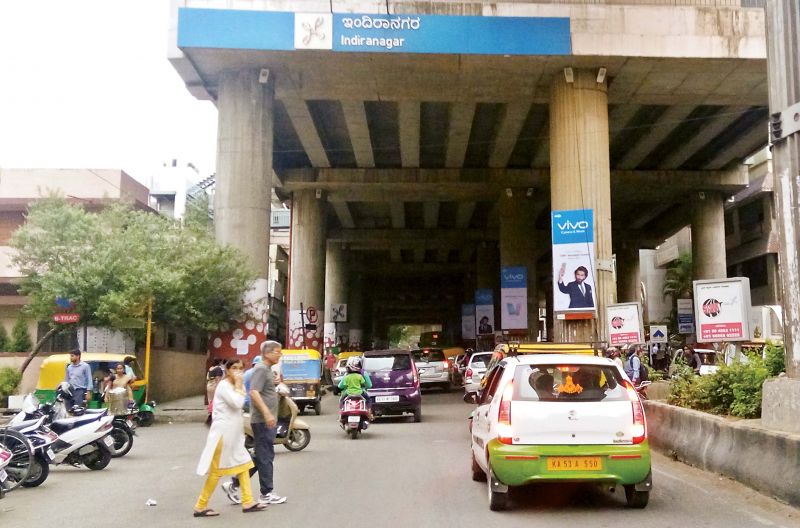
783 64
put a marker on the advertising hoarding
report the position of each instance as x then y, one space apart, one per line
685 316
625 324
573 258
468 321
723 309
484 312
514 298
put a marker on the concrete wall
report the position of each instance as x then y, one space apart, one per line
765 460
653 278
175 374
31 376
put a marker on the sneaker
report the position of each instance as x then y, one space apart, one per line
232 493
271 498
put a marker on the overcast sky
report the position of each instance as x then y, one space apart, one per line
86 83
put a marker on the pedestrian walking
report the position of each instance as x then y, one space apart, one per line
330 362
224 453
213 377
79 376
248 375
263 420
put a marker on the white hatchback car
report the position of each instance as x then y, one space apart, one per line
559 417
476 368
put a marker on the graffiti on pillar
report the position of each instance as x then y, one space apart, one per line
309 337
329 336
355 336
244 337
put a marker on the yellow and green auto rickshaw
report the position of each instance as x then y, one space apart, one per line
53 371
302 373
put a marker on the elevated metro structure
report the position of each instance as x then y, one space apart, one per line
424 145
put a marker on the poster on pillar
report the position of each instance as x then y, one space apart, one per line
723 309
484 312
514 297
307 337
625 324
573 258
467 321
329 335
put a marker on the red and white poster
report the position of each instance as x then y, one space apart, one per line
722 309
625 324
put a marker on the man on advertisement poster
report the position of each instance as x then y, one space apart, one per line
484 327
579 291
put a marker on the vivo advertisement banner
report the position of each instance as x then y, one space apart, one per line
573 255
468 321
514 298
484 312
373 33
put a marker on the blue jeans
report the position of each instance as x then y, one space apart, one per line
264 440
78 397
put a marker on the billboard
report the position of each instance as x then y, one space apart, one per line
625 324
484 312
685 316
723 309
468 321
514 297
573 258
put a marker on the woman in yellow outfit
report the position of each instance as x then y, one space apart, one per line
225 453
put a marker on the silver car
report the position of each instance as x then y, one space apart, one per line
476 368
433 367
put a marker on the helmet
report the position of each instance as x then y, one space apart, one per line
354 364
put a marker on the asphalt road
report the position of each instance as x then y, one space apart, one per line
397 474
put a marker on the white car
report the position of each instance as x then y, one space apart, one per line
559 418
476 368
433 367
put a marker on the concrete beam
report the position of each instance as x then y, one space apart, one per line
431 214
409 117
398 212
745 145
709 131
412 269
619 119
682 181
411 237
303 124
669 120
342 210
355 116
464 214
461 116
511 124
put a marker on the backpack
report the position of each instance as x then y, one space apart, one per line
644 374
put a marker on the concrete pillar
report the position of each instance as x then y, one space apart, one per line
307 278
518 246
356 312
242 197
708 237
335 293
628 273
580 179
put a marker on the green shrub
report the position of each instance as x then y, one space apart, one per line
20 338
653 374
4 342
10 379
684 386
775 358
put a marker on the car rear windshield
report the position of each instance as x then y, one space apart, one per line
387 362
428 355
480 360
568 383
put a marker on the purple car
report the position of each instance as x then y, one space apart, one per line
395 383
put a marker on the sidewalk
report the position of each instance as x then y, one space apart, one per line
184 410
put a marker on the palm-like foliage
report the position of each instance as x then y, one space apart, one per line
678 280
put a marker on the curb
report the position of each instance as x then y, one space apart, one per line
181 416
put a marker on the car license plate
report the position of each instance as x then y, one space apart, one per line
3 475
353 419
386 399
107 440
574 463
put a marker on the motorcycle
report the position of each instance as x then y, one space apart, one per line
41 439
293 433
16 456
82 439
354 415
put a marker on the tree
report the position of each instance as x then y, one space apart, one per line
197 214
678 284
20 338
110 264
5 345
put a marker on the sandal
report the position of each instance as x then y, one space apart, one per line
206 513
255 508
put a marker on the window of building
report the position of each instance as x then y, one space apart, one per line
756 270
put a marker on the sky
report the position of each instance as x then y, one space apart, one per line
87 84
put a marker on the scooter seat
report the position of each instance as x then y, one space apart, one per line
66 424
27 424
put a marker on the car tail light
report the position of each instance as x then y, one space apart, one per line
105 427
416 375
504 415
639 430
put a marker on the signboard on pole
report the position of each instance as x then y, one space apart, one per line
573 259
659 334
484 312
514 297
723 309
625 324
338 313
468 321
685 316
66 318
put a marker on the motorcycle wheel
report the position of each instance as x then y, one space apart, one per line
99 459
298 439
123 441
40 469
353 434
145 418
19 466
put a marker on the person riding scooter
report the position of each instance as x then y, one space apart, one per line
355 382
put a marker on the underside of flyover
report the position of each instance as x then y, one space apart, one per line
412 154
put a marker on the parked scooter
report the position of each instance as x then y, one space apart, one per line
293 433
42 439
16 455
82 439
5 459
124 424
354 415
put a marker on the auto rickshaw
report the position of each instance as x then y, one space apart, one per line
53 372
302 373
